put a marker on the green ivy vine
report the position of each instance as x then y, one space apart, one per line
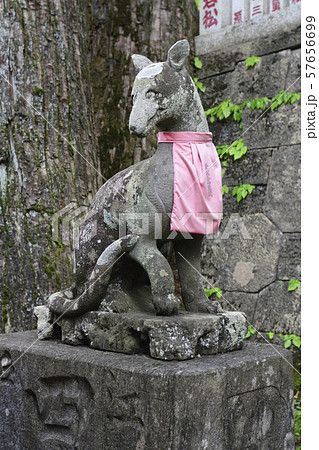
288 339
228 109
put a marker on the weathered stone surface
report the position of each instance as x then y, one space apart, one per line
272 128
224 132
283 200
289 257
243 259
240 301
44 321
252 168
278 309
224 59
181 337
265 79
57 396
293 80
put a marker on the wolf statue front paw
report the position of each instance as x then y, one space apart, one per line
205 306
166 306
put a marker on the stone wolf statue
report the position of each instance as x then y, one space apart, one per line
119 266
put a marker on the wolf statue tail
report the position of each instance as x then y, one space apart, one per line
67 304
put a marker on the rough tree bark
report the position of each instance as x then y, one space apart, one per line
65 80
45 103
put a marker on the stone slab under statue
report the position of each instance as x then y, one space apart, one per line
176 337
166 202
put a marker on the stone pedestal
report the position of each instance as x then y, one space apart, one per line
177 337
56 396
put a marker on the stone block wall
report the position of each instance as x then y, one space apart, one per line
257 249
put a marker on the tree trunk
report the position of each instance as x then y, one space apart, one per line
65 77
48 149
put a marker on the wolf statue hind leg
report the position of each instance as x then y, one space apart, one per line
160 275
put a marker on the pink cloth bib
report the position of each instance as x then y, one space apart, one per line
198 203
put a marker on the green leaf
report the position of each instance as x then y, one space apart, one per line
251 331
287 343
197 63
225 189
209 112
250 62
297 341
214 291
226 112
240 153
199 85
197 2
242 191
280 283
270 334
253 104
293 285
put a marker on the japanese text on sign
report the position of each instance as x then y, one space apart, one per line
210 13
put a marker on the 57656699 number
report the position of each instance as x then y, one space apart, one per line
310 47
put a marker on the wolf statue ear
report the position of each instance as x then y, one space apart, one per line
140 62
178 54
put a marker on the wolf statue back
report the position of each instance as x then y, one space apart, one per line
119 265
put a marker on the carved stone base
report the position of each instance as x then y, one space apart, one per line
55 396
179 337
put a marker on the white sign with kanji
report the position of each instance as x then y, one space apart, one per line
256 9
238 12
276 5
210 15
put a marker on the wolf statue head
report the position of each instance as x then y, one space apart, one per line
164 95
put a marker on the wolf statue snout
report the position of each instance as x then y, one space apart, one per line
130 273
